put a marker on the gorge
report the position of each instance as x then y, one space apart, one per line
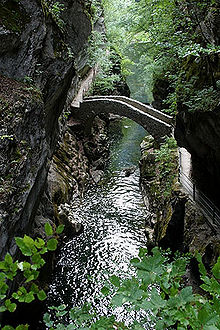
52 154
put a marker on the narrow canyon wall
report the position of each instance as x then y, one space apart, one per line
197 96
174 220
42 63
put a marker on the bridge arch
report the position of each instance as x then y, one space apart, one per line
155 122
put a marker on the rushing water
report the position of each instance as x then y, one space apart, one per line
113 216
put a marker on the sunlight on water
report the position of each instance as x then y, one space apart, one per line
113 217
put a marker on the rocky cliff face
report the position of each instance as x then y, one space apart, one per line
199 133
174 220
197 98
42 62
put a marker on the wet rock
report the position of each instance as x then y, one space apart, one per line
129 170
39 230
96 175
72 227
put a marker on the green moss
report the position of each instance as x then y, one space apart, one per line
163 224
3 104
12 16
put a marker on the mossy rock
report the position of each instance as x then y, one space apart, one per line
12 16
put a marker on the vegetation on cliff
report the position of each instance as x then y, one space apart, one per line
169 45
176 61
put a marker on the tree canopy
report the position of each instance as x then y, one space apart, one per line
157 37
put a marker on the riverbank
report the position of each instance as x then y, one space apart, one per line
175 221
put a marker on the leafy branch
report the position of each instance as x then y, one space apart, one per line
158 291
54 9
29 271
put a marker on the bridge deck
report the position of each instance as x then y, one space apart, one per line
155 122
139 105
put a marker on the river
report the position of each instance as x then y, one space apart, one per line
113 216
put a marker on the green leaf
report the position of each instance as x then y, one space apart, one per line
201 266
38 260
3 265
22 327
61 307
29 279
15 295
118 299
26 250
43 250
29 297
8 259
47 320
186 295
34 288
28 241
216 269
105 291
61 313
115 280
48 229
39 243
11 307
23 266
41 295
104 323
2 309
204 315
52 244
60 229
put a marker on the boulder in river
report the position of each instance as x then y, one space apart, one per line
129 170
72 227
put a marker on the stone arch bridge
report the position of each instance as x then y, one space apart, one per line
155 122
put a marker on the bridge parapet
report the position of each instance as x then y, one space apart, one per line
139 105
91 107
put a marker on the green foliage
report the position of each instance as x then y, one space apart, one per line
101 55
93 9
12 16
54 9
156 38
202 98
28 80
48 229
166 158
26 271
7 137
206 99
158 291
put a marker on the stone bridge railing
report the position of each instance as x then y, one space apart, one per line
139 105
155 122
